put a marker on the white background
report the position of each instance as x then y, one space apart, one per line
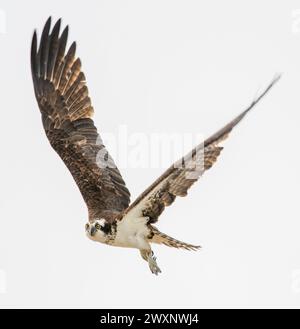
158 66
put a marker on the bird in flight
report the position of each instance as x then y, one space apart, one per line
62 96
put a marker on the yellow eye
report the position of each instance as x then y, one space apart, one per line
97 226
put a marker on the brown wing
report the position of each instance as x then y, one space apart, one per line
62 95
184 173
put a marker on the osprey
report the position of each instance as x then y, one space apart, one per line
66 110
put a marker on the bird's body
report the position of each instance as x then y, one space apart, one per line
127 233
62 95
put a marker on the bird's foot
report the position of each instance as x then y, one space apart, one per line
153 265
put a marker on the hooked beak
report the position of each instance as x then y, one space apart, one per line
92 230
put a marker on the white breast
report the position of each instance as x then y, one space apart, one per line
132 232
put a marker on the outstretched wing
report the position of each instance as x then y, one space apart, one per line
184 173
62 95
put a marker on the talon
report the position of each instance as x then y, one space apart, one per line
153 265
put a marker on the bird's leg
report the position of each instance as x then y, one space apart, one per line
149 257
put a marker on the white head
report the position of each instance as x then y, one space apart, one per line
97 230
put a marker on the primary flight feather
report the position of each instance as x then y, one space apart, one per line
66 110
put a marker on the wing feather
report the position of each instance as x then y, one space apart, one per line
66 109
177 180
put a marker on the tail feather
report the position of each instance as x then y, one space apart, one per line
162 238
